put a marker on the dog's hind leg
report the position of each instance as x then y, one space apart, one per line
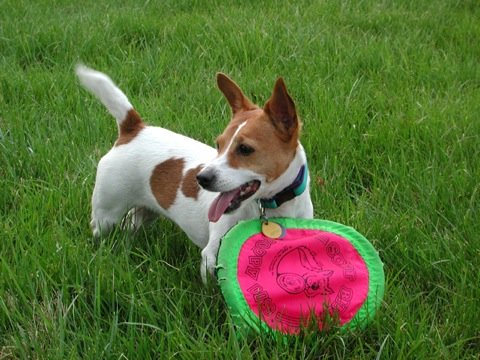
104 220
109 205
137 217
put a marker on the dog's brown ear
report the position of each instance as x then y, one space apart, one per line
234 95
281 109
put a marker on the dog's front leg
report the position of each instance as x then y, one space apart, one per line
209 253
209 258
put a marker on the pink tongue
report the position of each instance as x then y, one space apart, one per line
221 203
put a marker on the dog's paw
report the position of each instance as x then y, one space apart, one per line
208 265
95 229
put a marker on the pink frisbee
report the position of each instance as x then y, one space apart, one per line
317 270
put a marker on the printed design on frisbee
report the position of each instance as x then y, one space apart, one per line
306 273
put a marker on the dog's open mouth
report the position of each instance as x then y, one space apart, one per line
231 200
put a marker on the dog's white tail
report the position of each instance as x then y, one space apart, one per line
105 89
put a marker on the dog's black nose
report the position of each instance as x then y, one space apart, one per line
205 180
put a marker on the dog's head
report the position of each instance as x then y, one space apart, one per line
255 149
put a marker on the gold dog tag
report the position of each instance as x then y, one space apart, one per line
273 230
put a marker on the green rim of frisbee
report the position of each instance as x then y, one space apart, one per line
227 269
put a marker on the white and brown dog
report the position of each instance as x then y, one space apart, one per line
151 170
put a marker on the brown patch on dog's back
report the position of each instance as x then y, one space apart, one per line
190 187
129 128
165 181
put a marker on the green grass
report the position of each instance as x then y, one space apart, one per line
389 93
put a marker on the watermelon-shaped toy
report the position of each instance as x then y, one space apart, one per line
306 269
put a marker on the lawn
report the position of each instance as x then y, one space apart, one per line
389 95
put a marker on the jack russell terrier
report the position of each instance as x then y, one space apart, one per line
259 164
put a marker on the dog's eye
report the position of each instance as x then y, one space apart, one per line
244 150
217 145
